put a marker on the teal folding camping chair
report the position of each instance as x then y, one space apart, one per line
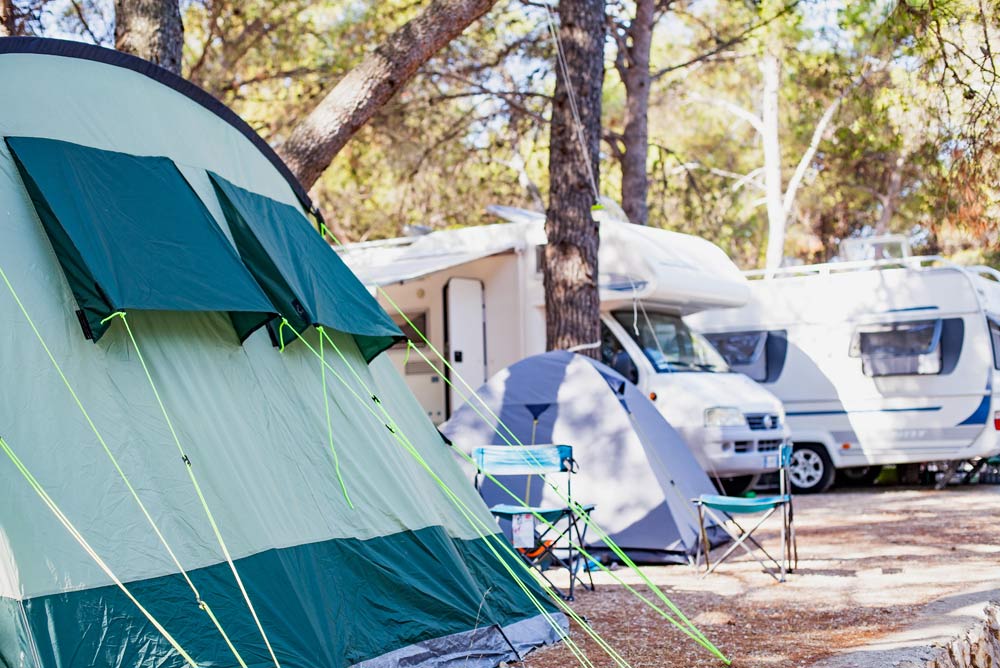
556 532
723 509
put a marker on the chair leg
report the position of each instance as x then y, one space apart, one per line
784 541
572 561
703 547
740 542
582 536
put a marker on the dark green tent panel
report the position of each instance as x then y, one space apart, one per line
301 274
131 234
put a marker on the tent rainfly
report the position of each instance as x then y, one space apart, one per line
633 465
168 475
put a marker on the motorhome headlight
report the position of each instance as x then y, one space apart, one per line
724 416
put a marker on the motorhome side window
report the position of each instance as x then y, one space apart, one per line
744 351
419 321
995 340
614 355
899 349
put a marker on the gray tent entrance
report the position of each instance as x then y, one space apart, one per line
634 466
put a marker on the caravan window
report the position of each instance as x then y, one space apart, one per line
744 351
995 339
899 349
419 320
669 343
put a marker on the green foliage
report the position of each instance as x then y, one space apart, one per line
912 147
467 132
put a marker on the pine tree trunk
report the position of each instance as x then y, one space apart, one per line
151 30
773 187
572 301
636 77
6 18
894 188
314 142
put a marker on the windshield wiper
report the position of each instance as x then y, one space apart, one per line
710 367
678 364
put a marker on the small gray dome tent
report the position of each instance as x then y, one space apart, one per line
126 189
634 466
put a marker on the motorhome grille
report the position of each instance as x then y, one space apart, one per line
768 446
742 446
761 421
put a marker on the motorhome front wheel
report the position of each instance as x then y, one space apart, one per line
811 470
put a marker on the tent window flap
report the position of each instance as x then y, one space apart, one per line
131 234
300 273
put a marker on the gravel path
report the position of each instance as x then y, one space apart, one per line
871 564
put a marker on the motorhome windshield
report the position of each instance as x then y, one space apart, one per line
670 344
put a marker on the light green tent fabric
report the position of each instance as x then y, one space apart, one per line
400 578
301 274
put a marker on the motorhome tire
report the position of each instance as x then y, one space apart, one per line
811 471
737 486
858 476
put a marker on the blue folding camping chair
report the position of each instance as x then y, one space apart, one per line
558 531
723 509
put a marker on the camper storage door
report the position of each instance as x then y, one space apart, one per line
465 337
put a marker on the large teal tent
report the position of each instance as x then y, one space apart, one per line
180 425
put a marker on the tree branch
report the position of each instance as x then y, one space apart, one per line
78 10
728 42
314 142
814 142
755 121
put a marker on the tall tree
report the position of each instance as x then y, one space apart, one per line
634 43
572 301
6 18
151 30
315 141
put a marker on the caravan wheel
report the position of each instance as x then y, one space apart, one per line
811 470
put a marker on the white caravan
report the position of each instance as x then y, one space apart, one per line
477 293
891 359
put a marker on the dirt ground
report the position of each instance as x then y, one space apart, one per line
870 562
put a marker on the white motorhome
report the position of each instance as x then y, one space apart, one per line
882 359
477 293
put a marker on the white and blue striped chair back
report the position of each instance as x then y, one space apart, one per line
524 459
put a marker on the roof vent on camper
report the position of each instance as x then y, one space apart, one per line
881 247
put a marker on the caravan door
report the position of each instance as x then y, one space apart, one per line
465 337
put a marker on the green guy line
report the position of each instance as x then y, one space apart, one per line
121 473
51 504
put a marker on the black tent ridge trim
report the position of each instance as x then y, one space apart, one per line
69 49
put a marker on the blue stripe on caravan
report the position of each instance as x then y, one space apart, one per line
916 409
980 415
333 604
911 308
